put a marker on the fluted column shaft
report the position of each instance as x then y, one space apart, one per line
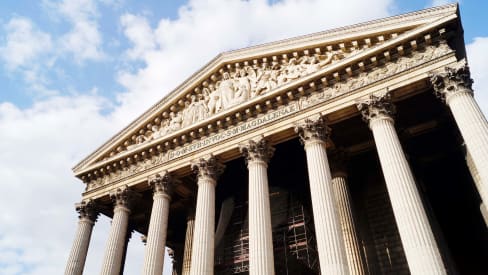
261 258
474 129
114 251
77 256
158 225
190 225
418 240
330 242
453 84
203 239
202 257
349 232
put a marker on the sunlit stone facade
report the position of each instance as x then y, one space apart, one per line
340 152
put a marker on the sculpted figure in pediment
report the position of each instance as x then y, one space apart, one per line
226 90
266 80
194 111
187 115
212 99
243 88
293 70
199 108
174 122
164 128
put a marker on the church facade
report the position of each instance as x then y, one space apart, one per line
359 150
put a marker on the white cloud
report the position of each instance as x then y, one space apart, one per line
139 32
24 43
477 59
84 41
38 146
28 52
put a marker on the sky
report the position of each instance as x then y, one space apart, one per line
75 72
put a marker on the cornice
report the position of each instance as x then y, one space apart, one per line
435 16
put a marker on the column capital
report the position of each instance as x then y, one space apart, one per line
451 80
257 150
208 167
162 183
122 198
87 210
313 129
376 107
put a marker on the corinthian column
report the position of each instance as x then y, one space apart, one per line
346 215
261 259
158 225
88 216
418 241
114 253
330 243
202 256
453 85
190 225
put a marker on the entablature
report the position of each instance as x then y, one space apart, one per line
328 79
275 118
269 66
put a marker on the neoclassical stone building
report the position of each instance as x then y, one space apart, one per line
358 150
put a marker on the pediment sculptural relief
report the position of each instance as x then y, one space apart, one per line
236 87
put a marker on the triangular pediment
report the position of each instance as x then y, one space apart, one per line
234 78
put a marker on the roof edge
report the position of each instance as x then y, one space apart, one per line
438 11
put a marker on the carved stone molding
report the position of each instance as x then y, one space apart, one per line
208 167
257 150
162 183
313 129
452 80
377 106
87 210
122 197
131 166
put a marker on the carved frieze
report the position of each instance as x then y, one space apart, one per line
376 74
329 91
237 87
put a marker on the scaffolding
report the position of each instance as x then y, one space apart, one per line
293 239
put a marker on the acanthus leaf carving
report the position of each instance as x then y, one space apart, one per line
312 129
257 150
452 80
87 210
377 106
162 183
207 167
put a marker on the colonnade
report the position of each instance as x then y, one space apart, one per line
336 234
